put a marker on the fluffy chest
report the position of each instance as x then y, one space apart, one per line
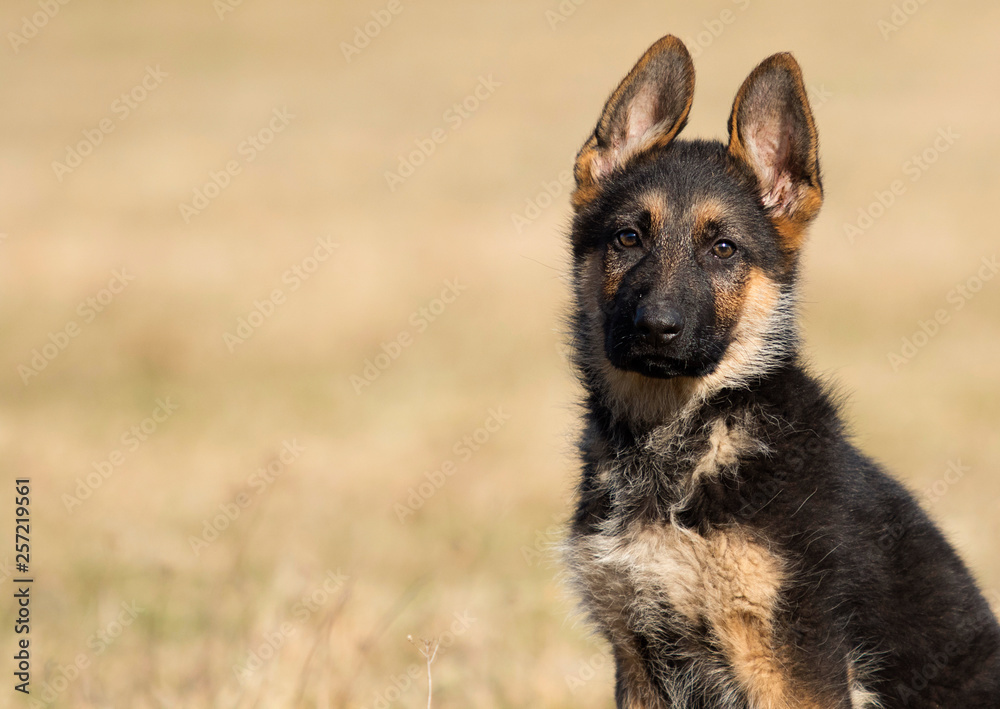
640 567
631 578
669 598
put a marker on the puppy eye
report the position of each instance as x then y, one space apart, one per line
628 238
723 249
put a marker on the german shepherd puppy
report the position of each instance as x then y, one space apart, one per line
730 542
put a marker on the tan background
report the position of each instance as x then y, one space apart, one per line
472 546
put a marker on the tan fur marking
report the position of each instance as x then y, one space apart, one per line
703 577
612 279
759 670
656 204
729 304
753 340
642 692
725 445
760 295
706 211
751 304
637 398
861 697
793 230
586 188
725 579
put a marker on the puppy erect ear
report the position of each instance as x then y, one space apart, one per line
646 111
772 130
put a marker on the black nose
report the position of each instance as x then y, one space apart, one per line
658 321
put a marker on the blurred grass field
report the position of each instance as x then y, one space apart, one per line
417 517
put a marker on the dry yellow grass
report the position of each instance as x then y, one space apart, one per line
470 566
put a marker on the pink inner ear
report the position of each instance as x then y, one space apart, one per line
769 145
640 120
641 115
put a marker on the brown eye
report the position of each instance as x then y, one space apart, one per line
723 249
628 238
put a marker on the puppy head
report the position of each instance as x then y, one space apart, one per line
685 252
